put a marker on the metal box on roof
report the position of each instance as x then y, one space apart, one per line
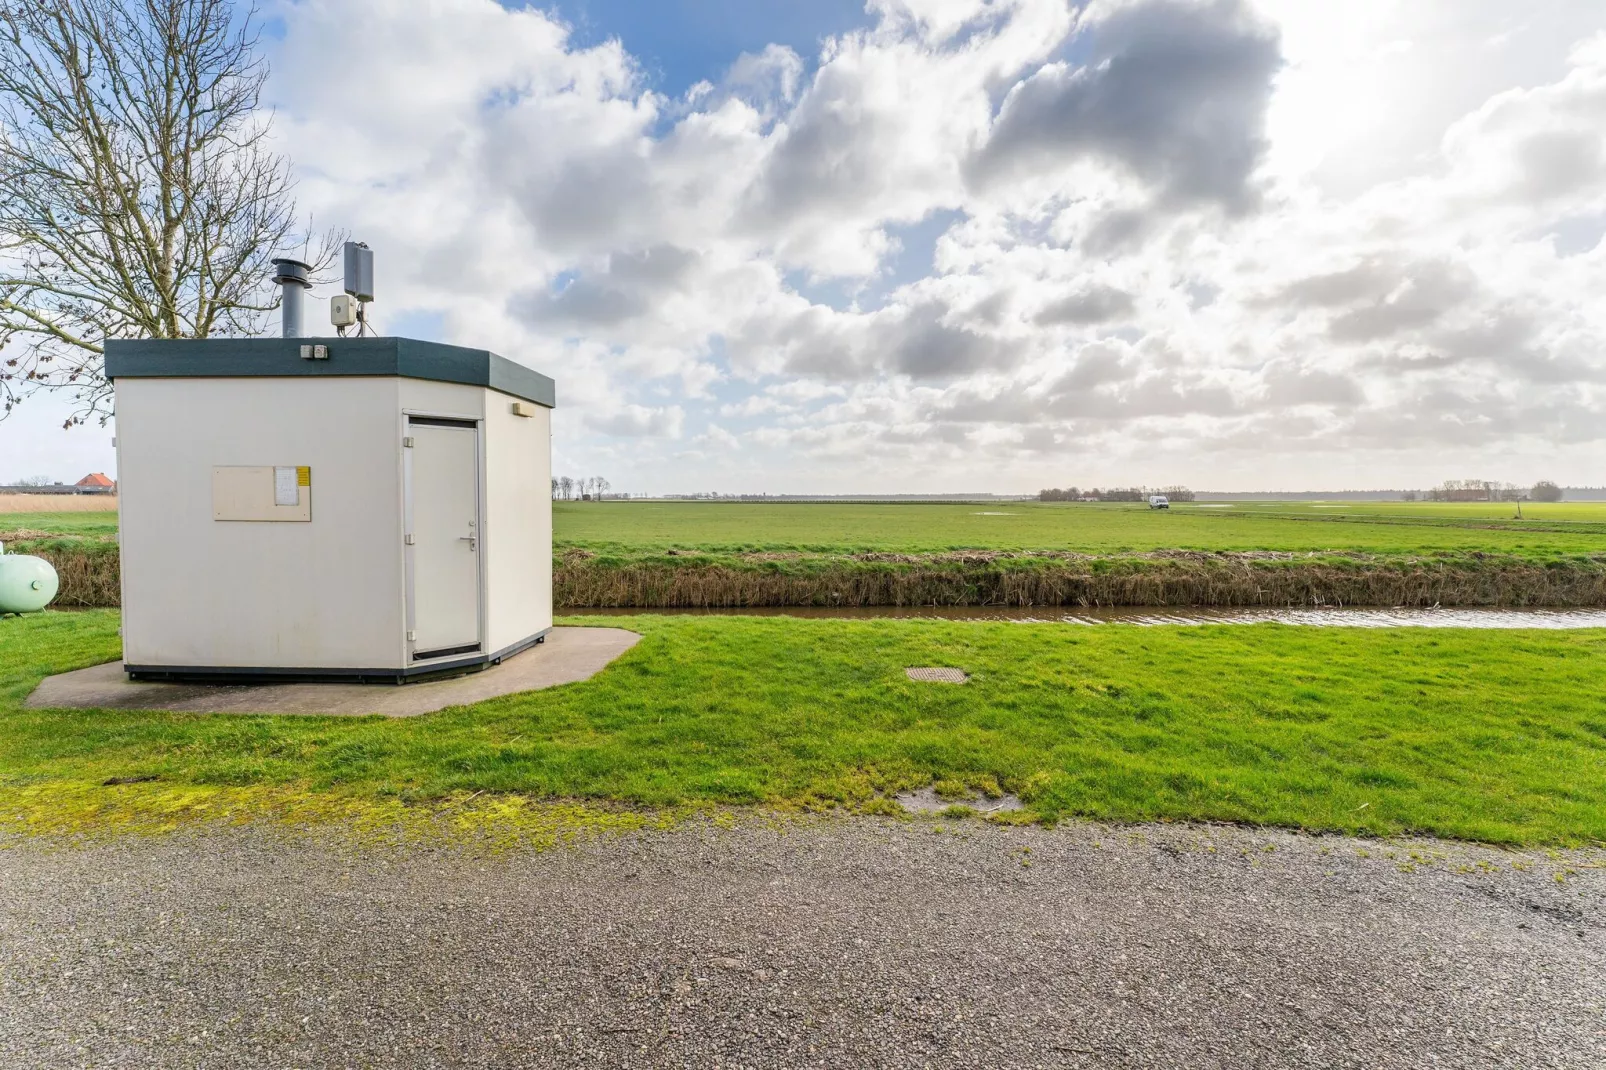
359 264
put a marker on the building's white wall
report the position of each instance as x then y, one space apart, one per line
330 593
199 592
518 521
430 398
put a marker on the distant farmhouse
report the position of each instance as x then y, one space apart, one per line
93 483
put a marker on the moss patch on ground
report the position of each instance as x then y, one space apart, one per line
82 812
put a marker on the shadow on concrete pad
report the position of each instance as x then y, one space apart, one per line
568 656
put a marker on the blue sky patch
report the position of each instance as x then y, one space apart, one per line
682 42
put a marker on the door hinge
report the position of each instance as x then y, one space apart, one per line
407 442
411 636
407 539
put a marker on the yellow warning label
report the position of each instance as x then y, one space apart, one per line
303 475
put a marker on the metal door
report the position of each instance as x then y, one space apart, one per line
443 532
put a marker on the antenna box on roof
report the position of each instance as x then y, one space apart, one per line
360 270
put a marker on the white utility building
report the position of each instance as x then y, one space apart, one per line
361 508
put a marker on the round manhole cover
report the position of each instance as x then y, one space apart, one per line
936 676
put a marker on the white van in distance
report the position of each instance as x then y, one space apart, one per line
1157 501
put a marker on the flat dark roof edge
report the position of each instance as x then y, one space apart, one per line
408 358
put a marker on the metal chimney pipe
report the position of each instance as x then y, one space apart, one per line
292 275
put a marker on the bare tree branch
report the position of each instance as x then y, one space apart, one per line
139 194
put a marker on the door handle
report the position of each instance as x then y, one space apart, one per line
473 541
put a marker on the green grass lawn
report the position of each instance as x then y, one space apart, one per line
1497 736
1092 528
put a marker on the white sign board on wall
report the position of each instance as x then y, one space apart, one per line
262 492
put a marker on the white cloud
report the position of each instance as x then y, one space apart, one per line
1538 148
639 421
1174 93
718 439
998 244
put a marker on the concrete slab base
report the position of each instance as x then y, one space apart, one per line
568 655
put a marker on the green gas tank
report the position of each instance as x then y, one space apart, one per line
27 583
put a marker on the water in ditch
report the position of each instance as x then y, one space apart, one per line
1314 616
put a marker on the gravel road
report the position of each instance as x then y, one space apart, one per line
836 943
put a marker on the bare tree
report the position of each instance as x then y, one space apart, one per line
566 487
139 196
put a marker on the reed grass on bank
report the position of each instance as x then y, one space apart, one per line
87 568
89 577
1070 580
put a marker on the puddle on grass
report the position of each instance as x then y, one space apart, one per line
927 801
1312 616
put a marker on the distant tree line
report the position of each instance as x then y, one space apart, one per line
1485 490
587 489
1113 494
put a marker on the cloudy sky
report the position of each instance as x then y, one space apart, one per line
929 245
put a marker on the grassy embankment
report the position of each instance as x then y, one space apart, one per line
86 562
78 536
654 554
1027 553
1494 736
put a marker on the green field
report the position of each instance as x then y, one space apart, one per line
1373 527
76 523
1532 512
1089 528
1496 736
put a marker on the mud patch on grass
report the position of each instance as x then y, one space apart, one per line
929 801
